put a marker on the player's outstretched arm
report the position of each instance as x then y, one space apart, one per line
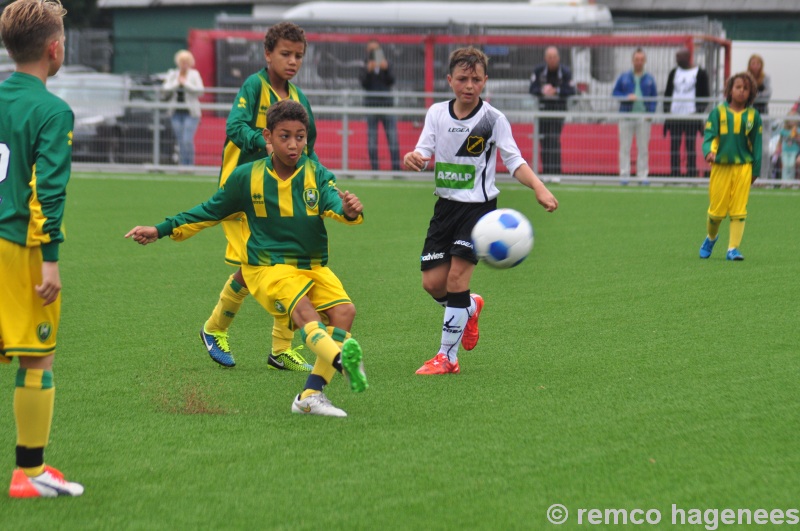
51 283
143 235
525 175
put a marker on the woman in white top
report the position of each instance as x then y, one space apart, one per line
184 86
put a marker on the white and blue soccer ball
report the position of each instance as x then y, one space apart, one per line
502 238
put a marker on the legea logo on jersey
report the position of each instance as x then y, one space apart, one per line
311 197
457 176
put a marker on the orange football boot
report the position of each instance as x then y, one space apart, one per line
439 364
471 333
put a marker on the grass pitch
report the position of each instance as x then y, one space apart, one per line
615 370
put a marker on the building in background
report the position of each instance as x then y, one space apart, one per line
146 34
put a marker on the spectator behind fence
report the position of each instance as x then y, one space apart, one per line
552 84
377 76
790 149
755 65
685 85
184 86
638 91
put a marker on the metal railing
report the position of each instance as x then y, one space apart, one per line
589 145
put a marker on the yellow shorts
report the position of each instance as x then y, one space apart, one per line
237 233
27 327
278 288
729 190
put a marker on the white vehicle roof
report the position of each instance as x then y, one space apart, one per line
534 13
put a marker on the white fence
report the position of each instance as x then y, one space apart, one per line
137 131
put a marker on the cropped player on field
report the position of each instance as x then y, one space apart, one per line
284 48
463 135
285 198
732 145
35 164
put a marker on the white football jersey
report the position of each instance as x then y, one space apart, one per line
464 151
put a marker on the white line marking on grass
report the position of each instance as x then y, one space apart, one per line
148 177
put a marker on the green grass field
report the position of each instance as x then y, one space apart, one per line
615 370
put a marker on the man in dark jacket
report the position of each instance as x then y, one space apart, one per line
685 85
552 84
376 76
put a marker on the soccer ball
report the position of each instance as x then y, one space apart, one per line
502 238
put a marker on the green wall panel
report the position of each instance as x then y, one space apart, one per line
145 40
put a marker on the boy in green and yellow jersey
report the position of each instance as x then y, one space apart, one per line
732 145
284 49
285 198
35 166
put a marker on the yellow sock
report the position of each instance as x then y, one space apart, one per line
317 339
34 397
308 392
230 300
281 337
712 226
737 231
326 370
33 472
338 335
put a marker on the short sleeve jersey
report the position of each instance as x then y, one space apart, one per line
735 137
465 151
35 163
248 118
285 217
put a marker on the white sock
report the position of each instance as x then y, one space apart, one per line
472 307
455 319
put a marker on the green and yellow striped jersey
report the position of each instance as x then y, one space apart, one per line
248 118
735 137
35 163
285 217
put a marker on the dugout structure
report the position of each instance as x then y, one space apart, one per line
226 57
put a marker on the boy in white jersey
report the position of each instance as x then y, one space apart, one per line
462 134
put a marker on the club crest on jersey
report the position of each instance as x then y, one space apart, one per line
43 331
749 127
475 145
311 197
280 307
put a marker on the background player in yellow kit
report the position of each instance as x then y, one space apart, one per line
284 49
732 145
